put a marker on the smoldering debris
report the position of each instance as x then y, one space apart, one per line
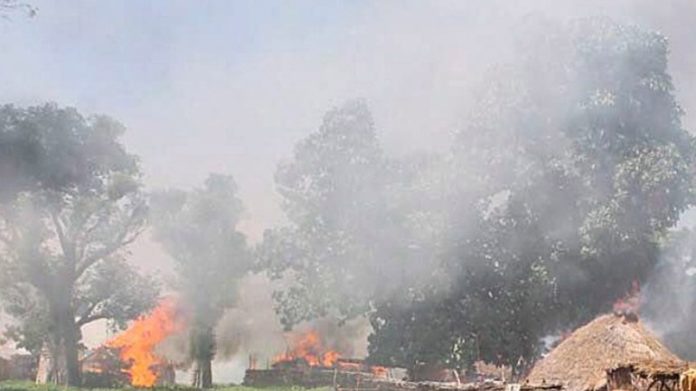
253 328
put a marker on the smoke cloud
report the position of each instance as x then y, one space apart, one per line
252 327
201 90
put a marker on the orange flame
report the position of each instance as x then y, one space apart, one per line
138 342
310 348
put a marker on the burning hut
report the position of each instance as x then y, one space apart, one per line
309 362
136 346
102 367
613 352
305 373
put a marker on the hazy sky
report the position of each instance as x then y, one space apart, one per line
229 86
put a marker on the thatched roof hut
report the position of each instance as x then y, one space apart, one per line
581 362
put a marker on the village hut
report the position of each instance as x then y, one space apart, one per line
613 352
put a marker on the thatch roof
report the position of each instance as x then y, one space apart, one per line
662 369
581 361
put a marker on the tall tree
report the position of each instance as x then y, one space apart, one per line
330 193
64 235
199 230
345 245
34 158
571 169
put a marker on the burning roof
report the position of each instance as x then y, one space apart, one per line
581 362
137 344
309 348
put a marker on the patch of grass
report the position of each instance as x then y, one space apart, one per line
288 388
14 385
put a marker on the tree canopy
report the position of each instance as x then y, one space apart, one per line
570 171
348 241
550 204
51 148
77 204
331 195
198 229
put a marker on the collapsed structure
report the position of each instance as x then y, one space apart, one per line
298 372
356 375
310 363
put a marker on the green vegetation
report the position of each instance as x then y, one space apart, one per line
557 195
550 205
199 231
76 203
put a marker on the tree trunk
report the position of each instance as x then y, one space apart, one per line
72 361
203 374
66 364
202 352
44 369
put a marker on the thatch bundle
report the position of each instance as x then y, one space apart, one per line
581 362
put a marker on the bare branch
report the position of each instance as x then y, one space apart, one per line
89 319
62 237
81 242
122 240
87 316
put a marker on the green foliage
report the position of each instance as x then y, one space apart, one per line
52 148
76 204
490 303
348 238
550 205
570 170
331 195
199 230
